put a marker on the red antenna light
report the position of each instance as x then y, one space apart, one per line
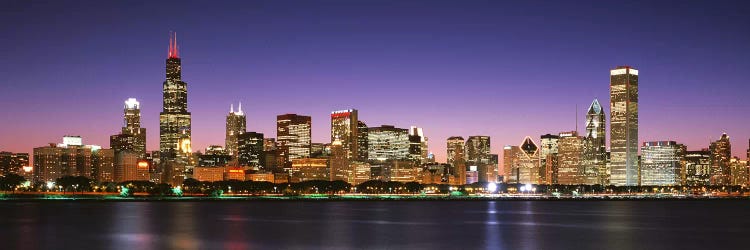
173 49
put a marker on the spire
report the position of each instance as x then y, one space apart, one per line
240 111
174 52
231 108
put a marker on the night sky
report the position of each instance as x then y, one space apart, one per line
464 68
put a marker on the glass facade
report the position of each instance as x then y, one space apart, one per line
388 143
624 126
293 136
344 127
174 120
661 163
595 147
236 125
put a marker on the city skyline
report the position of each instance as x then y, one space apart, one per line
98 108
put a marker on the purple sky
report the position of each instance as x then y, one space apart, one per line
494 68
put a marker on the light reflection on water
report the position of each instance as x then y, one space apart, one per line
395 225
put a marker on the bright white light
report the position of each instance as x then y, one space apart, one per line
132 103
492 187
528 187
50 185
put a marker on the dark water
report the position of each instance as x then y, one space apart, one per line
376 225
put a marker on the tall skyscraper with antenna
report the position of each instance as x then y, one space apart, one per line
236 125
174 120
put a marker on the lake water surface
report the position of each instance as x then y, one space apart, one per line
719 224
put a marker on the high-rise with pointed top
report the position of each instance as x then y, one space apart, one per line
594 146
236 125
623 87
174 120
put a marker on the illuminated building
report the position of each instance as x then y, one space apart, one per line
403 171
570 169
104 165
307 169
436 173
387 143
215 156
269 144
293 133
235 173
472 175
263 176
362 143
478 154
721 154
133 136
250 149
415 148
739 171
174 120
661 163
339 163
595 145
624 126
319 150
236 126
362 172
208 173
697 168
13 163
71 158
521 163
548 159
415 132
456 157
344 127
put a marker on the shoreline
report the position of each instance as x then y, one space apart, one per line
350 197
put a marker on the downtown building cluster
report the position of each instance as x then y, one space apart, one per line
357 152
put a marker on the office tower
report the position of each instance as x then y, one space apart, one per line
308 169
594 143
387 143
362 141
132 136
624 126
739 171
320 150
250 149
478 154
415 148
174 120
236 125
417 131
661 163
70 158
570 153
13 163
457 159
521 163
721 154
126 165
548 145
293 133
697 168
339 163
269 144
214 156
344 128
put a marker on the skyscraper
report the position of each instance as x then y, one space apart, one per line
624 126
293 136
456 158
388 143
721 154
521 163
174 120
571 171
132 126
236 125
594 144
697 168
548 148
344 126
478 154
661 163
362 141
424 151
250 149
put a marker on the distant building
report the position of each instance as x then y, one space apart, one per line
697 168
739 171
215 156
339 163
71 158
721 154
344 127
133 136
595 145
13 163
624 126
208 173
478 154
456 155
362 141
521 163
307 169
415 132
661 163
250 149
293 136
548 148
571 170
387 143
236 126
362 172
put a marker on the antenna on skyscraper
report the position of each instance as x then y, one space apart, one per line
576 117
